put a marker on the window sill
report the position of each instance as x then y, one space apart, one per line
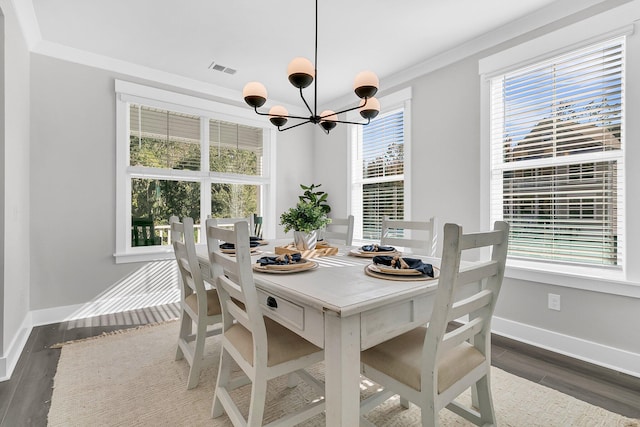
148 255
589 279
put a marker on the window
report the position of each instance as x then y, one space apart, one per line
185 160
378 168
557 156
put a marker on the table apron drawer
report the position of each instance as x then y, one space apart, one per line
303 320
383 323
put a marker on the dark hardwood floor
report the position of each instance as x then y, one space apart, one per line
25 398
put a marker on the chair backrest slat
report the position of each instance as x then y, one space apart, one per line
479 240
227 223
470 304
462 334
476 273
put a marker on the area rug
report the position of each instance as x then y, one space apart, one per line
131 379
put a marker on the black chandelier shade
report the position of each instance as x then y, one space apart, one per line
302 72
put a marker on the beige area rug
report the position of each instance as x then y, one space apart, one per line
131 379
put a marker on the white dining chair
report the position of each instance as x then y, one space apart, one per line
431 366
340 229
419 236
198 305
261 347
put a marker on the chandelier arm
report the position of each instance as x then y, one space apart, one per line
295 126
278 115
353 123
344 111
305 103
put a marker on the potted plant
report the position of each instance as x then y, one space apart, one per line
316 198
304 219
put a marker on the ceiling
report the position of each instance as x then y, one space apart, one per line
259 38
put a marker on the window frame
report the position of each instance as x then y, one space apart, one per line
608 280
389 104
128 93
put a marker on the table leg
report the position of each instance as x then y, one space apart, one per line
342 370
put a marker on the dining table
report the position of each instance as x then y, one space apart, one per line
339 307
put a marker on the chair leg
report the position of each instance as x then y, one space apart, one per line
404 402
485 402
429 415
292 380
185 330
196 364
258 398
224 372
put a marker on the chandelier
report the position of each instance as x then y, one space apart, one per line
301 74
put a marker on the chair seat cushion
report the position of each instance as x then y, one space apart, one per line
400 358
283 344
213 302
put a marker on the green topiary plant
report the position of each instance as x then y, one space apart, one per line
305 217
316 198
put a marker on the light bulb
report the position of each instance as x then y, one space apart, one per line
328 120
366 84
369 108
276 114
301 72
255 94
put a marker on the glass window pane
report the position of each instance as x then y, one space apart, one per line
379 200
163 139
235 148
154 201
234 200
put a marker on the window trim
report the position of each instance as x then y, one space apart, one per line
393 101
128 93
568 39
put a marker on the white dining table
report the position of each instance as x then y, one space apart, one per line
343 310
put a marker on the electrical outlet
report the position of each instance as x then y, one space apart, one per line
554 302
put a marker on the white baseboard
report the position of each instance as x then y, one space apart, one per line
588 351
9 360
51 315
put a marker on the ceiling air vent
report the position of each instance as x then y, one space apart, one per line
221 68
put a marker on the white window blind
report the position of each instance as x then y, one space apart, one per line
164 139
378 173
235 148
557 156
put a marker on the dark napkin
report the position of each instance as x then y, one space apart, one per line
280 259
412 263
377 248
232 246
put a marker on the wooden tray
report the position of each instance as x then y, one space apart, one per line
319 251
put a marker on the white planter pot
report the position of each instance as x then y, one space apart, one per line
305 241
